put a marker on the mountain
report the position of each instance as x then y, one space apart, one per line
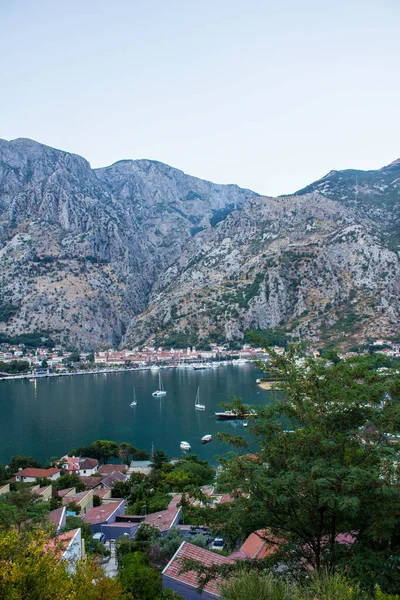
321 265
141 250
81 248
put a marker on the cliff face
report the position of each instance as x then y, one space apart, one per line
80 249
303 262
139 249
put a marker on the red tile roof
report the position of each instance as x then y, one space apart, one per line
190 578
106 493
41 490
256 547
31 472
57 516
107 469
100 514
90 482
62 493
165 518
75 498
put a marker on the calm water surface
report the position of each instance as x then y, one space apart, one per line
52 416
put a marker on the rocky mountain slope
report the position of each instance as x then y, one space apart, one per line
322 265
81 248
140 250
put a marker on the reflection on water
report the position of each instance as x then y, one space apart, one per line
50 417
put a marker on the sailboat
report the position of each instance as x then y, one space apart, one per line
160 392
134 401
197 404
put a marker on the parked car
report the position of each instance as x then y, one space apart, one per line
218 544
99 537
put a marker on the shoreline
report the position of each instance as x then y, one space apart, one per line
30 376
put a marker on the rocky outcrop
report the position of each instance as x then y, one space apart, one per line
140 250
80 249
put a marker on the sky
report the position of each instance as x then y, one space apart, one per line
270 95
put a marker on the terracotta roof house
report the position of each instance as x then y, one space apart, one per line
44 493
91 482
255 547
103 494
83 499
108 469
30 474
79 465
187 583
67 492
104 515
112 479
165 519
58 517
69 547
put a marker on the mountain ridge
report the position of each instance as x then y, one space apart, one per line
139 250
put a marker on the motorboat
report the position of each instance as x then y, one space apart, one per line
160 392
245 423
185 446
134 401
197 404
206 438
232 414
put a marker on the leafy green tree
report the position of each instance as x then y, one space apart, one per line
97 501
146 532
28 570
23 462
107 449
87 451
326 470
76 522
159 458
138 578
125 450
68 481
21 509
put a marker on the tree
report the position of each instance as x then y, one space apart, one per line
106 449
159 458
138 578
75 523
29 570
68 481
21 509
326 469
23 462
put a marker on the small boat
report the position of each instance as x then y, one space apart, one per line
197 404
31 379
154 368
245 423
134 401
160 392
232 414
206 438
185 446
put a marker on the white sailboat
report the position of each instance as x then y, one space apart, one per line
197 404
160 392
134 401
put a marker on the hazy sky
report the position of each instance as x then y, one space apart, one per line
270 95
